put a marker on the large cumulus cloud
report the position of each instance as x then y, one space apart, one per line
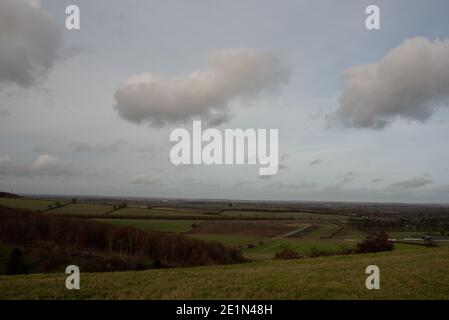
29 42
205 93
410 82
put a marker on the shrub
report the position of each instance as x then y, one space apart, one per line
16 263
315 253
375 242
287 253
428 242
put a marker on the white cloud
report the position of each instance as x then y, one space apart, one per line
410 82
29 42
44 165
35 3
229 74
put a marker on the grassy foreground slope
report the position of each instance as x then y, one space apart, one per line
410 274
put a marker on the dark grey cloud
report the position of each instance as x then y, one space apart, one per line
412 184
345 178
315 162
150 152
4 113
282 160
29 42
282 167
376 180
145 180
205 93
243 183
294 186
409 83
441 189
40 150
78 147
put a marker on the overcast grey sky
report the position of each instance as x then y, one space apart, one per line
362 114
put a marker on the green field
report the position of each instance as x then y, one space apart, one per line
302 246
409 234
322 230
29 204
408 274
159 225
143 212
282 215
82 209
350 232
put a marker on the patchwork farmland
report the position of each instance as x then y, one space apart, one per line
255 234
258 231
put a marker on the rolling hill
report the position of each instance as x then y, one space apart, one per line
408 274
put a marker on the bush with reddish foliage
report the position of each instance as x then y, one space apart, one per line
287 253
375 242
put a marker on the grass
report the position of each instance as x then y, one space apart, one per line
177 226
302 246
30 204
404 246
82 209
409 274
5 251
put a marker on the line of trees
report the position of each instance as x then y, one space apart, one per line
402 224
25 228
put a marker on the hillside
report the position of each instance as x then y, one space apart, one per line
409 274
9 195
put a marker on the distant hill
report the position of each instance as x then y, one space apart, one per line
9 195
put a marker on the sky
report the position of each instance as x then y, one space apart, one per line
362 114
